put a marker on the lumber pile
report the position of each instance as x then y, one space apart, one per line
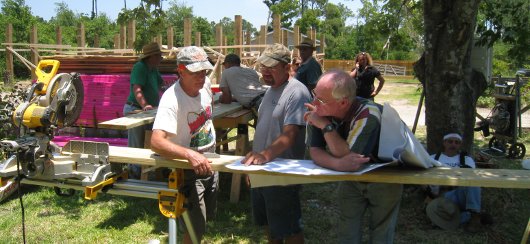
106 64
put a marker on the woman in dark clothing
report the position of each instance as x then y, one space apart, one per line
364 74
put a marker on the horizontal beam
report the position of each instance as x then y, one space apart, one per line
497 178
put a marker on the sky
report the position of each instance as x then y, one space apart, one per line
254 11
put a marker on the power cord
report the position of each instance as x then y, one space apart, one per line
18 180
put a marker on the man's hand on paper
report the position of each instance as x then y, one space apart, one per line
312 118
351 162
254 158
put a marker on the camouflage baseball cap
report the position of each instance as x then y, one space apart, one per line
274 54
194 58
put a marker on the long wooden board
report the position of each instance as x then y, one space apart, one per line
498 178
148 117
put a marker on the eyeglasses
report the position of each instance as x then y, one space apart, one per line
266 68
316 98
452 141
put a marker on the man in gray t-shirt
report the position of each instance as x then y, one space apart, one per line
279 134
240 83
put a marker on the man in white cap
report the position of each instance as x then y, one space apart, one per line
183 128
279 134
309 70
468 199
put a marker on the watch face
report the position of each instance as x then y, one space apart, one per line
328 128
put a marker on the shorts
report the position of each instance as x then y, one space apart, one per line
279 208
200 211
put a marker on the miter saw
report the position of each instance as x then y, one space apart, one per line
53 101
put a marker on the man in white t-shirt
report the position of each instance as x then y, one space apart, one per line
240 83
183 128
467 199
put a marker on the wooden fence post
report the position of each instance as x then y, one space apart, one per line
219 36
238 34
33 39
58 38
247 42
198 38
81 41
277 35
116 41
131 34
262 37
123 37
170 38
9 56
296 40
187 32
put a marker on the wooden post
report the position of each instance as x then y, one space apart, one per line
96 40
322 43
296 40
219 36
187 32
131 34
277 35
263 37
314 36
285 38
247 42
225 43
170 38
33 39
198 39
81 41
116 40
218 42
123 37
9 56
238 34
309 32
58 38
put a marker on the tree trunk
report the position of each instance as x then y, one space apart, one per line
450 91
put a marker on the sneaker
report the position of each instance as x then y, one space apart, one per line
474 225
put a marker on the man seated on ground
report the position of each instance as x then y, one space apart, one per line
467 199
240 83
344 134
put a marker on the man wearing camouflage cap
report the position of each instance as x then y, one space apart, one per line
279 134
183 128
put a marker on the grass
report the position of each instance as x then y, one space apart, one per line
116 219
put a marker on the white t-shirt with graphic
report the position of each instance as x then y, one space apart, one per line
188 118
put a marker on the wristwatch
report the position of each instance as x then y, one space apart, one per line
328 128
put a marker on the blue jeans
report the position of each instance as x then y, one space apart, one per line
135 138
382 202
467 198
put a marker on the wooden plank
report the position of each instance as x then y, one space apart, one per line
148 117
496 178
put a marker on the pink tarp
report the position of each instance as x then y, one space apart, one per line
105 96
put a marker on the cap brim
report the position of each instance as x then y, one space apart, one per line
267 61
198 66
142 56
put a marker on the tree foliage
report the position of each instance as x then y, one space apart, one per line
506 21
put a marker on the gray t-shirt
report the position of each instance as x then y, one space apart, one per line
243 84
282 106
